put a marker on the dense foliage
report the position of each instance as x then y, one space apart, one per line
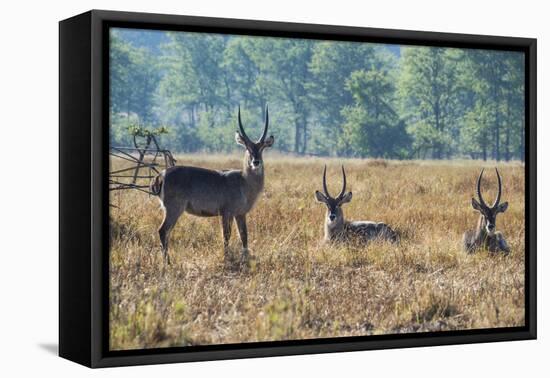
325 97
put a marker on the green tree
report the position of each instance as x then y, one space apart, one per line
514 113
326 97
286 61
372 126
429 92
243 65
134 78
194 84
495 118
331 65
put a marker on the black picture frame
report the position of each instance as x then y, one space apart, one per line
83 195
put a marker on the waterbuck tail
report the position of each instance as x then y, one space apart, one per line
395 236
156 184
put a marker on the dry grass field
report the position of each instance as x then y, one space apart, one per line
299 288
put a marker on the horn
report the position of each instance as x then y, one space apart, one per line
266 124
243 134
497 200
344 184
325 189
479 189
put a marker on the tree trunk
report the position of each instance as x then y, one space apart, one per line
128 110
263 103
497 119
508 127
497 136
507 145
438 148
227 95
297 136
193 118
484 147
304 134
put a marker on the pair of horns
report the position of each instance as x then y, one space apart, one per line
325 189
497 200
264 134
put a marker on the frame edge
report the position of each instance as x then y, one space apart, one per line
99 359
74 194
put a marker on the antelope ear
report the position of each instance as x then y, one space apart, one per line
346 198
269 141
476 205
239 139
320 197
502 207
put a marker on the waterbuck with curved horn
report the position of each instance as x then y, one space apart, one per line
230 194
338 229
485 234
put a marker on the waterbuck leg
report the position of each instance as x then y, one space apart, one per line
241 225
467 242
227 222
502 244
171 215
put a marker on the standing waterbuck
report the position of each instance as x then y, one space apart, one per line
338 229
485 234
230 194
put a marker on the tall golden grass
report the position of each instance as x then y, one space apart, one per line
300 288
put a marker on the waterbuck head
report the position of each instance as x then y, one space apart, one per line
489 213
254 150
335 216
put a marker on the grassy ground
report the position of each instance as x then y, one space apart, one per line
298 288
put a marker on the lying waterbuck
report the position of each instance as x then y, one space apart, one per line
337 229
485 235
230 194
